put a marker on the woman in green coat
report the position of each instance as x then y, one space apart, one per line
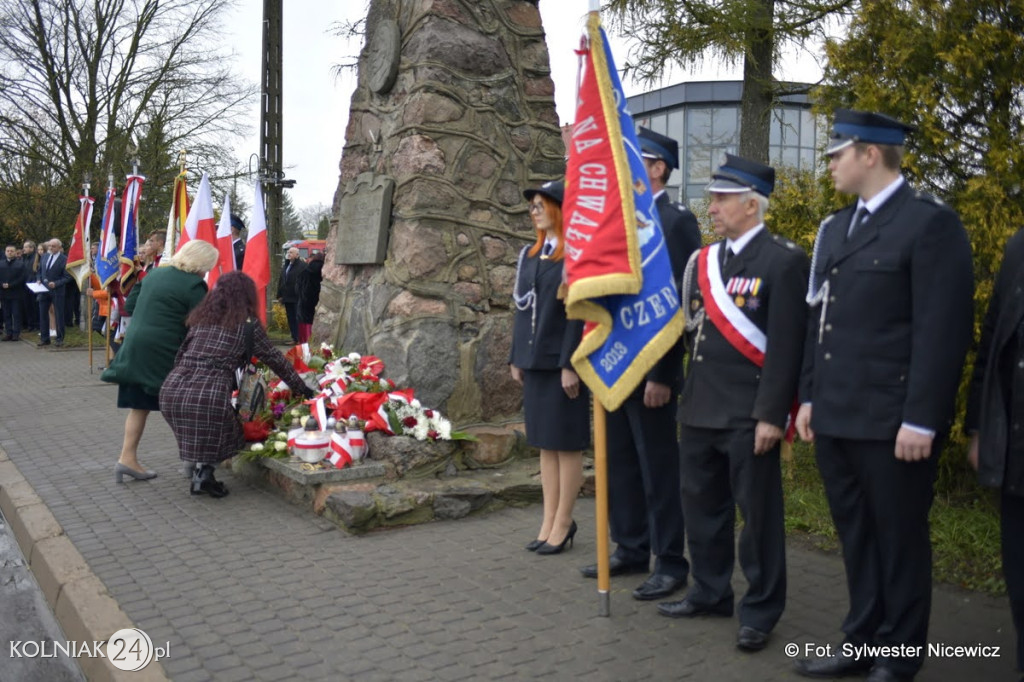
158 306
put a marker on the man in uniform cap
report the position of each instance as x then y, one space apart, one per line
892 293
746 322
645 511
237 243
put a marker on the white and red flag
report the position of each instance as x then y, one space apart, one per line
257 252
200 223
225 254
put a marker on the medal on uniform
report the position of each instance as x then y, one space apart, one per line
739 301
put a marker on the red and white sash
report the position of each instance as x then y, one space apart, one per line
735 326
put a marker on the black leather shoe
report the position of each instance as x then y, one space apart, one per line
42 343
880 674
684 608
751 639
658 586
203 482
617 566
59 343
828 667
533 545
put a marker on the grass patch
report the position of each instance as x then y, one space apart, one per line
964 526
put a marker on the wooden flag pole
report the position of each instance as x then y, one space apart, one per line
601 512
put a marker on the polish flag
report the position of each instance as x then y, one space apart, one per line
200 223
340 454
226 254
257 252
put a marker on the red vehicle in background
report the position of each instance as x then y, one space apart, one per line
306 247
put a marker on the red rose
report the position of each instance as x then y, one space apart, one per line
326 353
409 421
429 414
432 434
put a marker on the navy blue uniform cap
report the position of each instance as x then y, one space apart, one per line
741 175
850 125
657 146
553 189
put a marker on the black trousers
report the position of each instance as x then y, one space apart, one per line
1013 565
644 506
12 315
720 472
292 312
56 298
880 507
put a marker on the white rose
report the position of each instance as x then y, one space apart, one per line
256 447
280 446
354 357
281 435
296 413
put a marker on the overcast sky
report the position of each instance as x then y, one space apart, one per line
316 101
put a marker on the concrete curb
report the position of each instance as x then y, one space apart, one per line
83 607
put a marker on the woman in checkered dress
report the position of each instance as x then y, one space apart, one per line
195 398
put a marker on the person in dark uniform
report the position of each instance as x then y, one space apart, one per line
746 323
995 410
891 291
237 243
645 511
288 290
555 403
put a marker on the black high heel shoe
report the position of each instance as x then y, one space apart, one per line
548 548
533 545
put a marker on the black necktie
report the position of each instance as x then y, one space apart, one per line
548 248
728 256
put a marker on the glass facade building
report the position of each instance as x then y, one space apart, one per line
705 118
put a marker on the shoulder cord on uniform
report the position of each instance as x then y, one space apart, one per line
818 295
529 299
694 319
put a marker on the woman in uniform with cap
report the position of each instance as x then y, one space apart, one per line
543 340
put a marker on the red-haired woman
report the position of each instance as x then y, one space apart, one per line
555 403
195 398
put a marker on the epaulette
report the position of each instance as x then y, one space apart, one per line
930 198
783 241
680 206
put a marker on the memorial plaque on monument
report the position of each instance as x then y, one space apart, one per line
364 219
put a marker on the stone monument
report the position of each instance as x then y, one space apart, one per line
452 118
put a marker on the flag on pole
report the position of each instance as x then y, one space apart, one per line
617 265
78 252
225 251
130 224
257 252
107 258
200 223
176 235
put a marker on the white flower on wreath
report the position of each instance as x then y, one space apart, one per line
327 347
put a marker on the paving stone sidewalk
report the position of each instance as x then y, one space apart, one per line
252 588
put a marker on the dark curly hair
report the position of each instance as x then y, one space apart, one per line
232 301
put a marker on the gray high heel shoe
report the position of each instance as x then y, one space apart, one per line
120 471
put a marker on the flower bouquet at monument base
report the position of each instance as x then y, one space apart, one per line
353 400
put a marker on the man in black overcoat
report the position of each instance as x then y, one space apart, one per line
891 292
746 323
237 243
995 415
12 288
288 290
645 510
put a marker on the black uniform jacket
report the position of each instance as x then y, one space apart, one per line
723 388
12 273
898 321
996 398
542 337
682 237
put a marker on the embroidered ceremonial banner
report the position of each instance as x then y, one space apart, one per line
107 258
130 223
176 234
616 260
78 252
